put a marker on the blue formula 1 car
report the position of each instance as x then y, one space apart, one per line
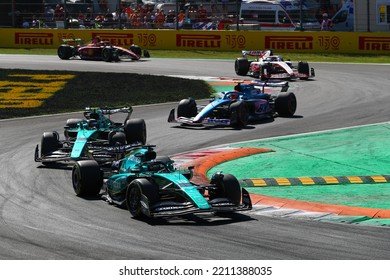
150 186
95 136
246 103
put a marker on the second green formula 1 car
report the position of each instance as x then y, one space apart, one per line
95 136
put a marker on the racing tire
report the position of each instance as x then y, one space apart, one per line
65 52
187 108
241 66
87 178
239 114
303 68
134 193
228 187
107 54
71 124
146 54
286 104
116 138
49 143
135 131
136 49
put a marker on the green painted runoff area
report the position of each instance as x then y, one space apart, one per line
357 151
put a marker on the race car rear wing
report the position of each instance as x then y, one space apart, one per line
284 85
72 41
257 53
109 111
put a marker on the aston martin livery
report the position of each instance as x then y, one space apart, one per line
150 186
95 136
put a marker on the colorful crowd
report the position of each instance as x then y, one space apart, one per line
132 16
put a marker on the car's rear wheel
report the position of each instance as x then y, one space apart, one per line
71 124
286 104
134 193
241 66
238 114
65 52
187 108
107 54
116 138
87 178
135 131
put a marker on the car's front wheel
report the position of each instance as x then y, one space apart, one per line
239 114
87 178
227 187
187 108
49 143
65 52
303 68
286 104
135 194
241 66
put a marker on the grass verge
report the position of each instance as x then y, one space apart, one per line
90 89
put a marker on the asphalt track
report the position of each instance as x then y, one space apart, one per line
42 219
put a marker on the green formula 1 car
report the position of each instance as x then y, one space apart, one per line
95 136
150 186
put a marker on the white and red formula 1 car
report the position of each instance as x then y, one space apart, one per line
268 66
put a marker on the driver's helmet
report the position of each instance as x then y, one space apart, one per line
94 116
96 40
233 96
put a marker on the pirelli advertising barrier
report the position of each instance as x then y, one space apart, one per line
311 42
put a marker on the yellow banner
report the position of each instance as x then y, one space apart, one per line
309 42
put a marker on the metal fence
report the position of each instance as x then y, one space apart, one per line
138 14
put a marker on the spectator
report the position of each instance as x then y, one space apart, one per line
326 23
192 14
88 20
129 11
181 18
25 24
160 19
202 14
124 19
59 13
35 22
170 19
81 19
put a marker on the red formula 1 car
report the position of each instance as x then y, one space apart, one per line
265 65
102 50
